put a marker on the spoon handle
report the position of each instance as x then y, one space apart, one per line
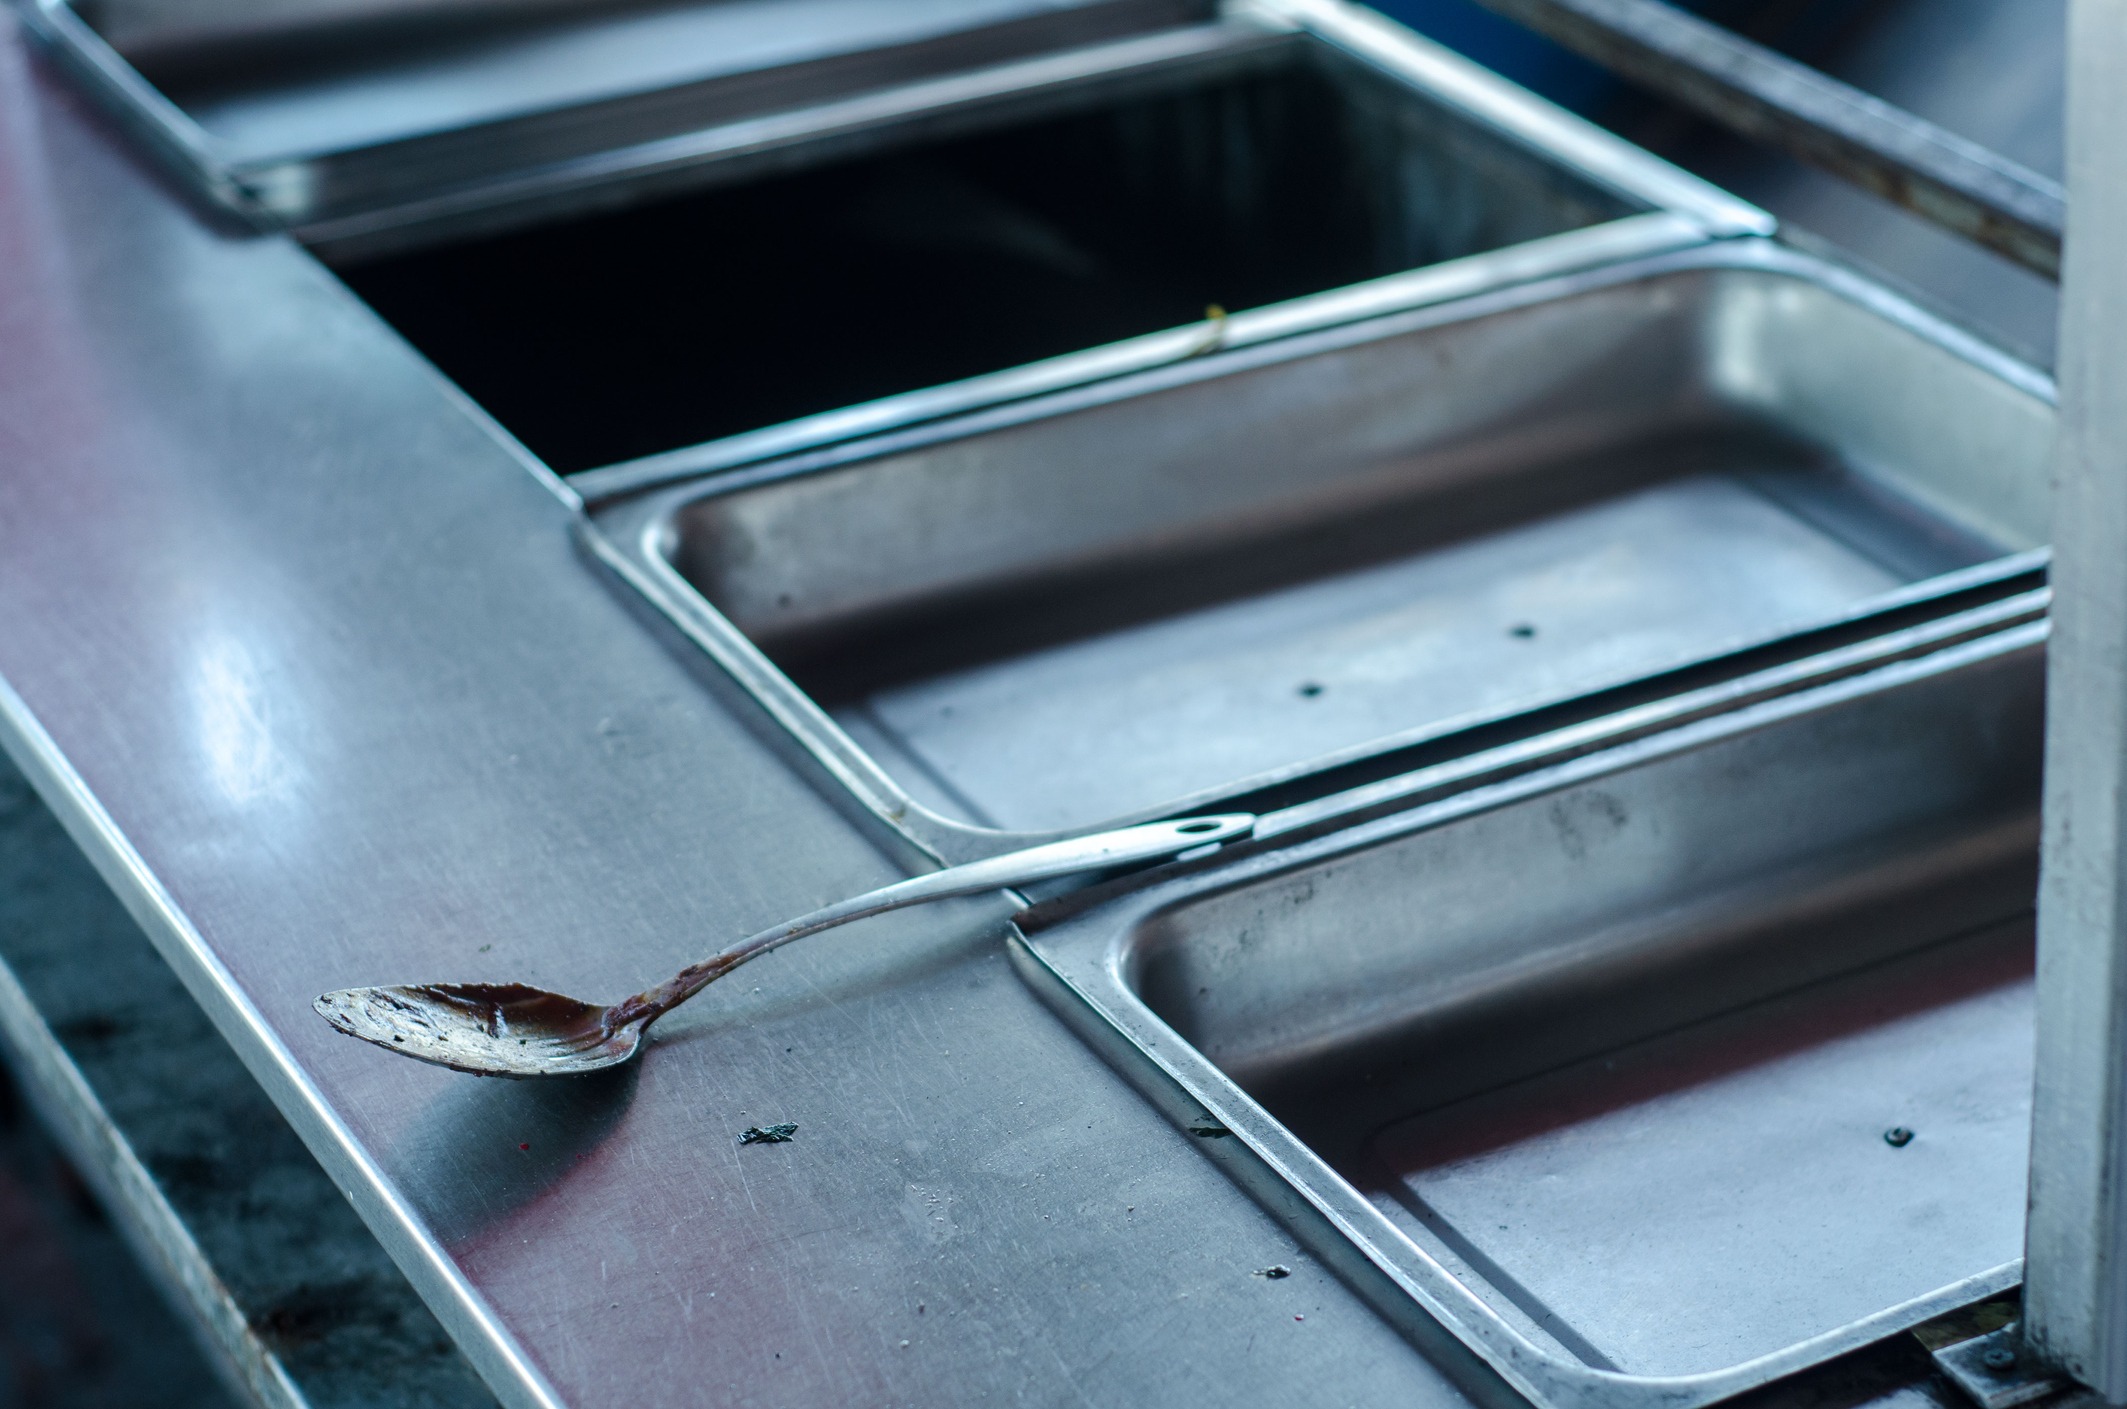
1125 846
1152 841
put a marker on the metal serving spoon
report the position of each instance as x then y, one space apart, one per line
511 1029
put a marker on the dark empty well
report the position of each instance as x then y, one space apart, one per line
1236 183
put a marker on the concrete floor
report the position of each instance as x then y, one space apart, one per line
80 1325
313 1294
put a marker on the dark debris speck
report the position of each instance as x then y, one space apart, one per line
1274 1272
768 1134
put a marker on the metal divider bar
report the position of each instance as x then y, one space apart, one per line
1770 98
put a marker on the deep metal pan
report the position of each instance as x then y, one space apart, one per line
837 269
1274 570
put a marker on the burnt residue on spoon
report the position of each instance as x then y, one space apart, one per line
515 1009
488 1029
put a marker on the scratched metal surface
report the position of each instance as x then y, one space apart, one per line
302 653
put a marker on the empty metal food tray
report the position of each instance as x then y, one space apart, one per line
376 112
1088 216
1654 1074
1265 568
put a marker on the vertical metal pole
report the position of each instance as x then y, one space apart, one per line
2075 1291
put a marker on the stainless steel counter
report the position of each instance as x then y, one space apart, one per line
303 654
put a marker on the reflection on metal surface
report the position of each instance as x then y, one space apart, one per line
1595 1064
232 706
1272 562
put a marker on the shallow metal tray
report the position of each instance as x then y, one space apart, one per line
367 123
1654 1074
1254 573
311 114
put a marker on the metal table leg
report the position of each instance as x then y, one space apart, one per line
2076 1242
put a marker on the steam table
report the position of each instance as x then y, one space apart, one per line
303 656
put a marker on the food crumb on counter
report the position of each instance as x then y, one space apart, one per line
768 1134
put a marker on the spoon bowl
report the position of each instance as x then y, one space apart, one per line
513 1029
488 1029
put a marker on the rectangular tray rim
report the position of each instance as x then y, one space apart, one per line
1073 953
215 176
625 535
